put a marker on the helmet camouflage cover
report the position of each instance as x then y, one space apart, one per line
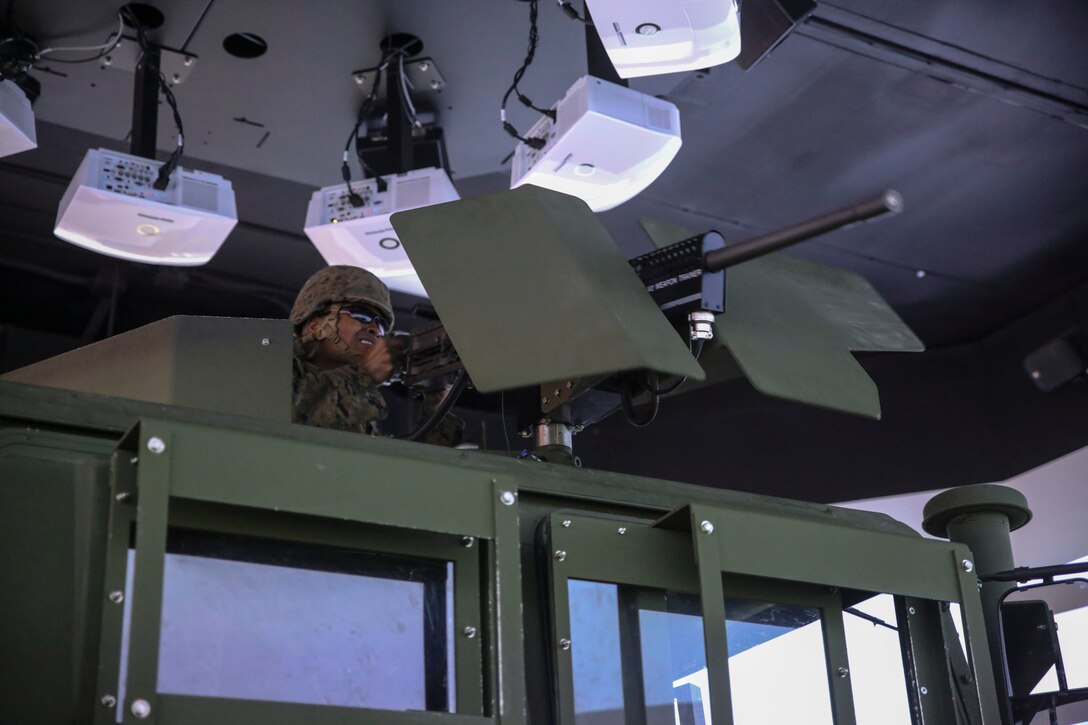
340 283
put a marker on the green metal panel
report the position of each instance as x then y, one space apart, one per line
790 325
532 289
238 366
53 504
818 552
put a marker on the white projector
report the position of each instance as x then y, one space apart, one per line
16 120
649 37
110 207
606 145
362 236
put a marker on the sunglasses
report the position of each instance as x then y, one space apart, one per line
367 316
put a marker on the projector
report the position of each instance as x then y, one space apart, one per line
606 145
110 207
362 236
649 37
16 120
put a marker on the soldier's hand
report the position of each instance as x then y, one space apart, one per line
378 360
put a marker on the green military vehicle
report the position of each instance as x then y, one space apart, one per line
174 550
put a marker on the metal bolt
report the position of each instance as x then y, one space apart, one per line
621 530
569 385
108 60
359 78
108 701
141 708
923 690
424 66
507 497
560 555
122 497
175 79
968 565
524 433
579 428
545 400
468 541
134 460
707 527
117 597
470 632
910 610
564 644
843 672
265 341
566 523
188 61
155 445
920 274
436 84
1036 374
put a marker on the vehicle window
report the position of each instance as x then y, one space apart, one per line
777 667
877 678
287 622
637 655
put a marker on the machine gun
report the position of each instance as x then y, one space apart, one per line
687 281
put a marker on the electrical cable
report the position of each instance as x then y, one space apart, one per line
627 396
534 37
696 350
571 12
163 179
444 407
104 47
345 169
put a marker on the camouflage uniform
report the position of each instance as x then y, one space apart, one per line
344 397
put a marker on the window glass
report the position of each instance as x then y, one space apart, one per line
777 666
877 678
268 620
637 656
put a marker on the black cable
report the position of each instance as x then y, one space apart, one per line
534 37
163 179
444 407
570 11
628 393
696 352
345 169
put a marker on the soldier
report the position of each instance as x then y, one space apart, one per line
342 355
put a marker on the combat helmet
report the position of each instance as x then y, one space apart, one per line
340 283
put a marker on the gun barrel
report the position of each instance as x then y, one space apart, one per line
733 254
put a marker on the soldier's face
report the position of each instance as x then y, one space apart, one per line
356 331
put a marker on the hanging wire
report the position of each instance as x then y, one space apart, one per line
571 12
534 37
106 47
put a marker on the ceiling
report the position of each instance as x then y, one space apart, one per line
976 112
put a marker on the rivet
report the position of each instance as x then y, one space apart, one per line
920 274
359 78
108 701
923 690
621 530
707 527
424 66
843 672
123 496
108 60
117 597
569 385
141 708
968 565
566 523
557 392
564 644
507 497
468 541
134 460
1036 374
470 632
910 610
560 555
187 62
155 445
545 400
175 79
435 85
265 341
